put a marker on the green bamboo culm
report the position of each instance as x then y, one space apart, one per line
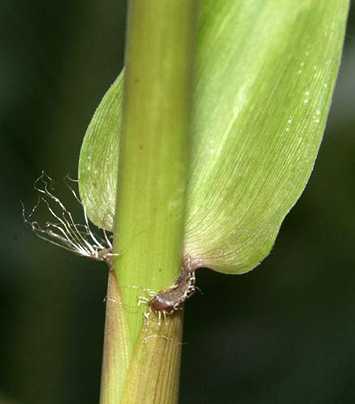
142 358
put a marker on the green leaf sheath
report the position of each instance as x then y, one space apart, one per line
115 356
153 375
265 75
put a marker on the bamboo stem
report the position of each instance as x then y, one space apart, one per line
149 223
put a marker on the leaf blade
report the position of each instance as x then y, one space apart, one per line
282 97
265 76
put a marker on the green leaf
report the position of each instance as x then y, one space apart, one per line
98 162
265 73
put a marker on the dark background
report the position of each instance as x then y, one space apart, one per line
283 333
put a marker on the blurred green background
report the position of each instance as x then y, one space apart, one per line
283 333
